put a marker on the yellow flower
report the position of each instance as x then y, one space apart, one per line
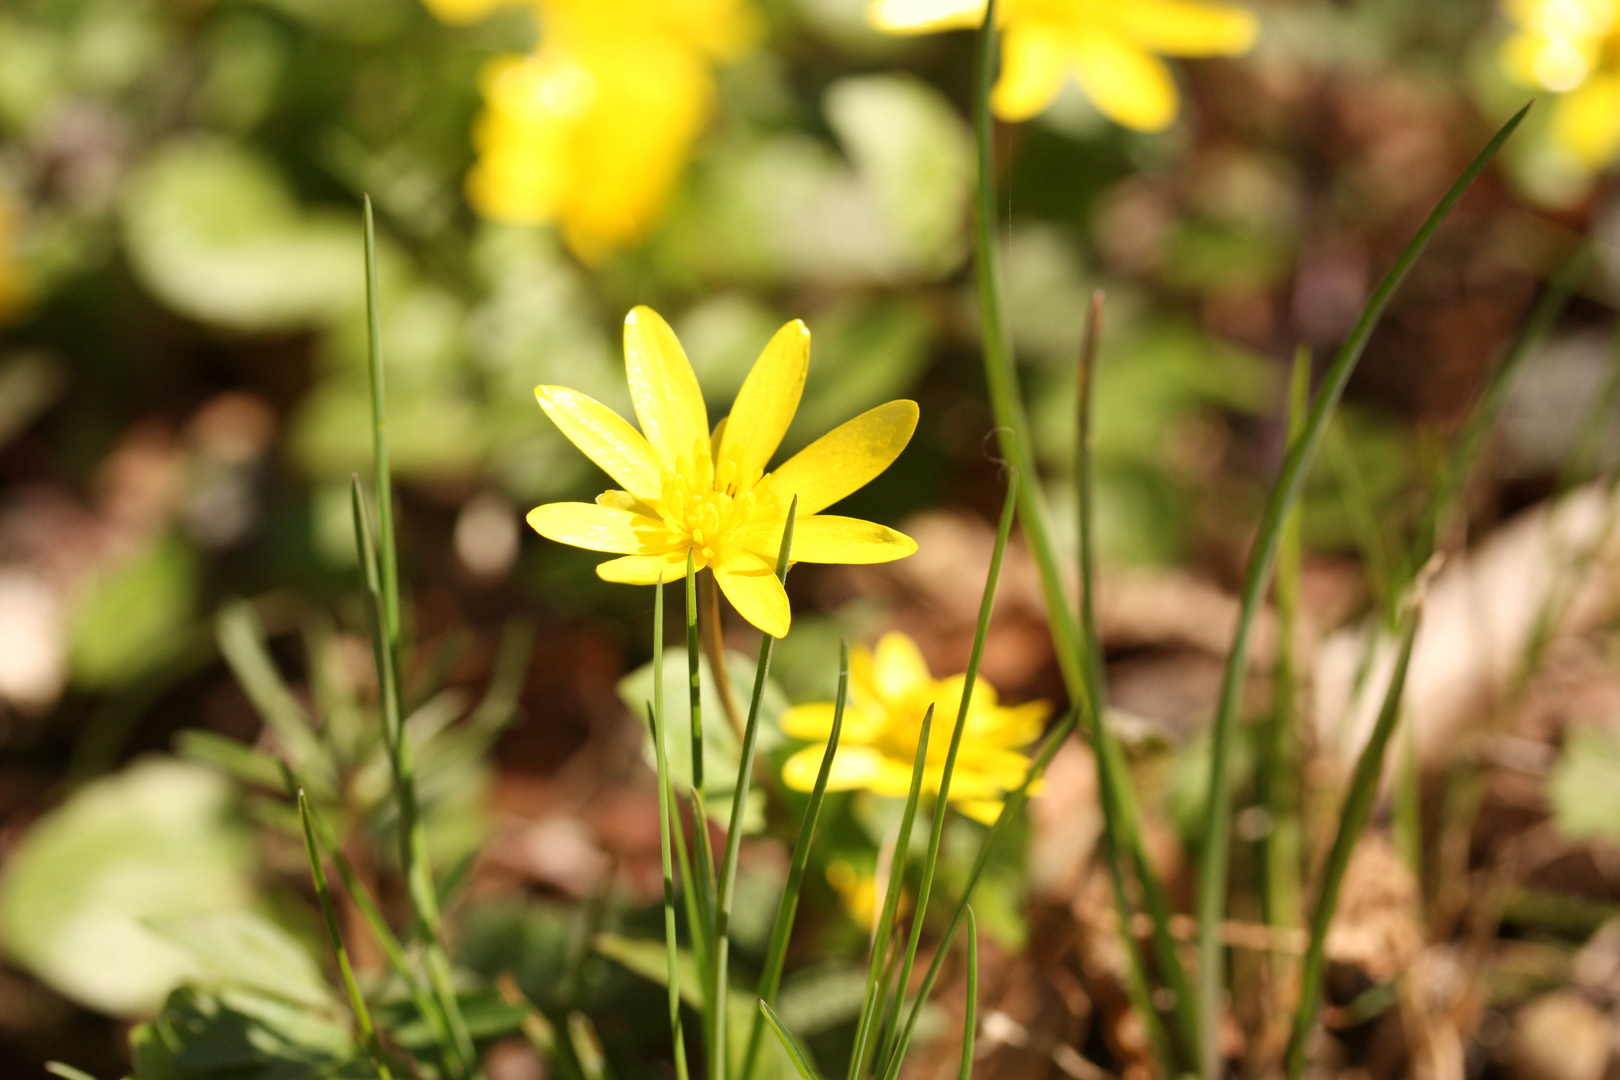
1572 47
889 691
1111 47
592 130
687 490
13 283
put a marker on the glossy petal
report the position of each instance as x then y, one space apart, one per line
852 767
643 569
604 436
846 458
984 811
1190 27
809 721
898 668
590 526
750 583
826 538
663 387
1586 122
767 401
924 16
1129 86
1033 67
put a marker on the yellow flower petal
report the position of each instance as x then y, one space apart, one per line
826 538
767 401
1190 27
1586 121
462 11
1033 67
605 437
846 458
984 811
665 390
898 667
591 526
852 767
750 583
1130 86
924 16
643 569
809 721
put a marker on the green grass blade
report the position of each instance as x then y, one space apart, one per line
381 568
981 631
1120 839
873 1003
970 1023
770 979
734 830
665 824
1013 432
242 643
66 1072
1353 817
1276 770
1215 861
1482 418
357 1000
795 1052
1009 812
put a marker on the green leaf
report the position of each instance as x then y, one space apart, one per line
240 1035
1584 788
213 232
151 842
135 616
721 749
244 949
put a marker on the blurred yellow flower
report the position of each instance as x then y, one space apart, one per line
687 490
592 129
890 689
1111 47
13 283
1571 47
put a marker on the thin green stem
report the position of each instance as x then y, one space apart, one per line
1215 863
1009 811
970 1022
734 830
873 1004
655 713
357 1000
795 1052
1353 817
694 654
987 603
787 907
1119 827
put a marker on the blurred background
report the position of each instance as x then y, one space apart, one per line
183 400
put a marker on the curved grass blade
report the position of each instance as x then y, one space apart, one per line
987 603
66 1072
1119 830
1353 817
1013 432
734 829
357 1000
970 1023
872 1004
795 1052
1214 864
770 979
1009 811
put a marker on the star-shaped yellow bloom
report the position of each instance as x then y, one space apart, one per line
684 489
1572 47
890 689
1111 47
591 130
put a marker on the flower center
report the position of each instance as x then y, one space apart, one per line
704 507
